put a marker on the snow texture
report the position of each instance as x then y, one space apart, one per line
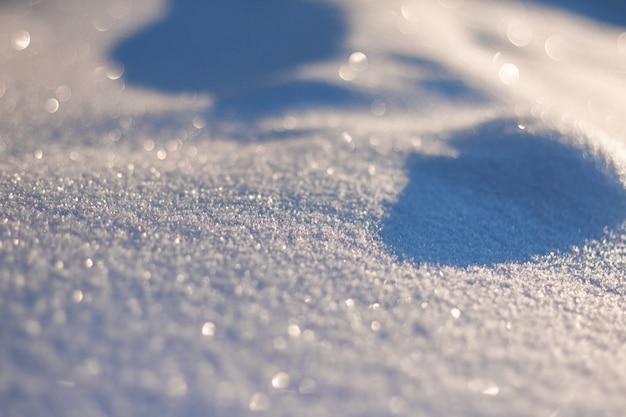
351 208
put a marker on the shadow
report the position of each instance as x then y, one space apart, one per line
232 48
296 94
508 196
607 11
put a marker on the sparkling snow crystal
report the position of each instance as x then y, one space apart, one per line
297 207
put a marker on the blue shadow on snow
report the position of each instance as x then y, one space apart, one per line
607 11
509 195
237 50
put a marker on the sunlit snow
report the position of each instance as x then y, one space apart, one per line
298 207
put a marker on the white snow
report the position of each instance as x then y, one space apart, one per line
419 210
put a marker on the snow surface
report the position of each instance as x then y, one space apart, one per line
350 208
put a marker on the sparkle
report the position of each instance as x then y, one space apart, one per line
114 72
483 386
51 105
148 145
519 33
556 47
293 330
357 61
20 40
208 329
198 122
509 74
280 380
77 296
114 135
346 73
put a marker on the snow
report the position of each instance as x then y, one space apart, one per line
419 210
